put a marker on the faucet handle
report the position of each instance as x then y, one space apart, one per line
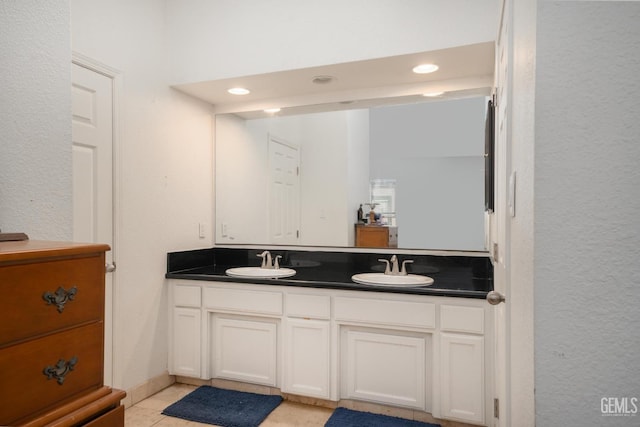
276 263
386 261
404 267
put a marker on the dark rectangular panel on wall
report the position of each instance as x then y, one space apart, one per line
489 162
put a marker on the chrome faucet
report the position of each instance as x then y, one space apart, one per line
266 259
392 266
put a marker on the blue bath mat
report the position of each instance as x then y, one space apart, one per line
226 408
343 417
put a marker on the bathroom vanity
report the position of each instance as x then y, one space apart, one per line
318 334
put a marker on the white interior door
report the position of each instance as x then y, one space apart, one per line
92 134
501 247
284 192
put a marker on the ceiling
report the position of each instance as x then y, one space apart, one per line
463 71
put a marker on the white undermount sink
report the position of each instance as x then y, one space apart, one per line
381 279
260 273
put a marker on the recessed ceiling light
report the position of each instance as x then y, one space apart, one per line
425 68
238 91
433 94
322 80
271 110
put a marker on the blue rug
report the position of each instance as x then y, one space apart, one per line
343 417
226 408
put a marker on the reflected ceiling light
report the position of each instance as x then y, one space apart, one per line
238 91
425 68
322 80
271 110
433 94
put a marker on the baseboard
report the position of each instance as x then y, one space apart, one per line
148 388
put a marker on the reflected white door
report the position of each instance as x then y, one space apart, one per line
92 134
284 192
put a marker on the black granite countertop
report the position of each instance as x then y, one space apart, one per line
455 276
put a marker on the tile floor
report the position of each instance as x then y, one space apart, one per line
148 412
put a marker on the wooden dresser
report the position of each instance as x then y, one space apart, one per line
376 236
52 336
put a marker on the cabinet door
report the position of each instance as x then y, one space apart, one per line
306 363
245 350
385 367
186 342
462 377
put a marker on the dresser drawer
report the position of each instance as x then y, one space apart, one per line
27 389
42 297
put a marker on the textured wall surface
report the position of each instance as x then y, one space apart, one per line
587 211
35 119
165 174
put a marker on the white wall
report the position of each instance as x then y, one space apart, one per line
35 120
357 167
165 177
587 210
216 39
324 179
434 151
241 187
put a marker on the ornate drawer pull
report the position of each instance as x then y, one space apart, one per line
60 297
60 371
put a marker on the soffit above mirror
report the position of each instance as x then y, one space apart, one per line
463 71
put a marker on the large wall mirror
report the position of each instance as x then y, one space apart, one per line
301 179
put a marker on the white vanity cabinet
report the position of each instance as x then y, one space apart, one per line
243 332
245 349
307 345
184 357
428 353
462 363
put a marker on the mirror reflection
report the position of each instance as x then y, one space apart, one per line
313 179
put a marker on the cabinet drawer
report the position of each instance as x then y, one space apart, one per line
24 287
113 418
384 312
462 319
27 389
186 296
311 306
243 300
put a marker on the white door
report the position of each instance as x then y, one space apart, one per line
307 357
92 134
246 350
501 374
284 193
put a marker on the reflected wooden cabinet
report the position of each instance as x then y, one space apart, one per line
52 336
376 236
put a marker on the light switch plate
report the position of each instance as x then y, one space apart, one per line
512 194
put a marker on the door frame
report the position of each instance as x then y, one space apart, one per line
117 89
